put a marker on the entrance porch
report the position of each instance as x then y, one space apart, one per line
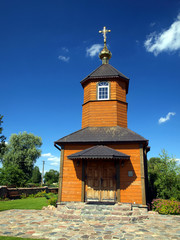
100 173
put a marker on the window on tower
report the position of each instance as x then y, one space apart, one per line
103 90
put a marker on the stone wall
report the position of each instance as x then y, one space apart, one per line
11 193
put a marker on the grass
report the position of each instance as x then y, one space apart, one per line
14 238
27 203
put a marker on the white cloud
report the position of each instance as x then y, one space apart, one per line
63 58
94 50
54 160
46 155
54 164
166 41
164 119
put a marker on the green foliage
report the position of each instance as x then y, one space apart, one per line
21 153
27 203
166 206
40 194
23 195
30 196
50 195
2 139
12 175
36 175
51 177
164 177
52 201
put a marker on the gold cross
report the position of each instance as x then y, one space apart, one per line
104 31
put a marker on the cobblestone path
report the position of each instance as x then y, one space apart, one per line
48 224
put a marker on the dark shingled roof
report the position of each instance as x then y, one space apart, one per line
99 152
105 71
101 135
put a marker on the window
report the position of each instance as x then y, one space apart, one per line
103 90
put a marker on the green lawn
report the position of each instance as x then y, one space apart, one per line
14 238
27 203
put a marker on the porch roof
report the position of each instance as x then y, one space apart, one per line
99 152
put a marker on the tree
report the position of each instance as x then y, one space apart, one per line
51 176
36 175
12 175
2 139
22 152
164 176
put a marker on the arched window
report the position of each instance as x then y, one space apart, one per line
103 90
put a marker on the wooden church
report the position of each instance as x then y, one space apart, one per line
104 161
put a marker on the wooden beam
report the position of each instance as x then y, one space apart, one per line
146 175
118 180
83 182
61 175
142 175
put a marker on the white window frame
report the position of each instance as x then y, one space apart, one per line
105 86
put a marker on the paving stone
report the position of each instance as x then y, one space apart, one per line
98 224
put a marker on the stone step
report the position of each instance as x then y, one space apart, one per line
94 207
66 217
96 212
101 212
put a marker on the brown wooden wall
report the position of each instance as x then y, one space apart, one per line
72 175
105 113
130 187
117 90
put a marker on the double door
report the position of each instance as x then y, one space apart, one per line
100 180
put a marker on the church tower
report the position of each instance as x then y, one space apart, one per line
105 92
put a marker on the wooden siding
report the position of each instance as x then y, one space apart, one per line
117 91
104 114
72 175
90 91
122 114
99 113
121 91
130 187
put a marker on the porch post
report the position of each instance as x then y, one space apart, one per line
142 175
83 182
118 180
61 175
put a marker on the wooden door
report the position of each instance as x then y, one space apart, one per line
100 181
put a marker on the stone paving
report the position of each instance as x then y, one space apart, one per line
57 224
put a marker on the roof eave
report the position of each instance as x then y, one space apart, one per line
106 77
100 142
97 157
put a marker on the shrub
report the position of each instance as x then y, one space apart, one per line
40 194
52 201
31 196
23 195
166 206
50 195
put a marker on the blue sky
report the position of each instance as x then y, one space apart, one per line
48 47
